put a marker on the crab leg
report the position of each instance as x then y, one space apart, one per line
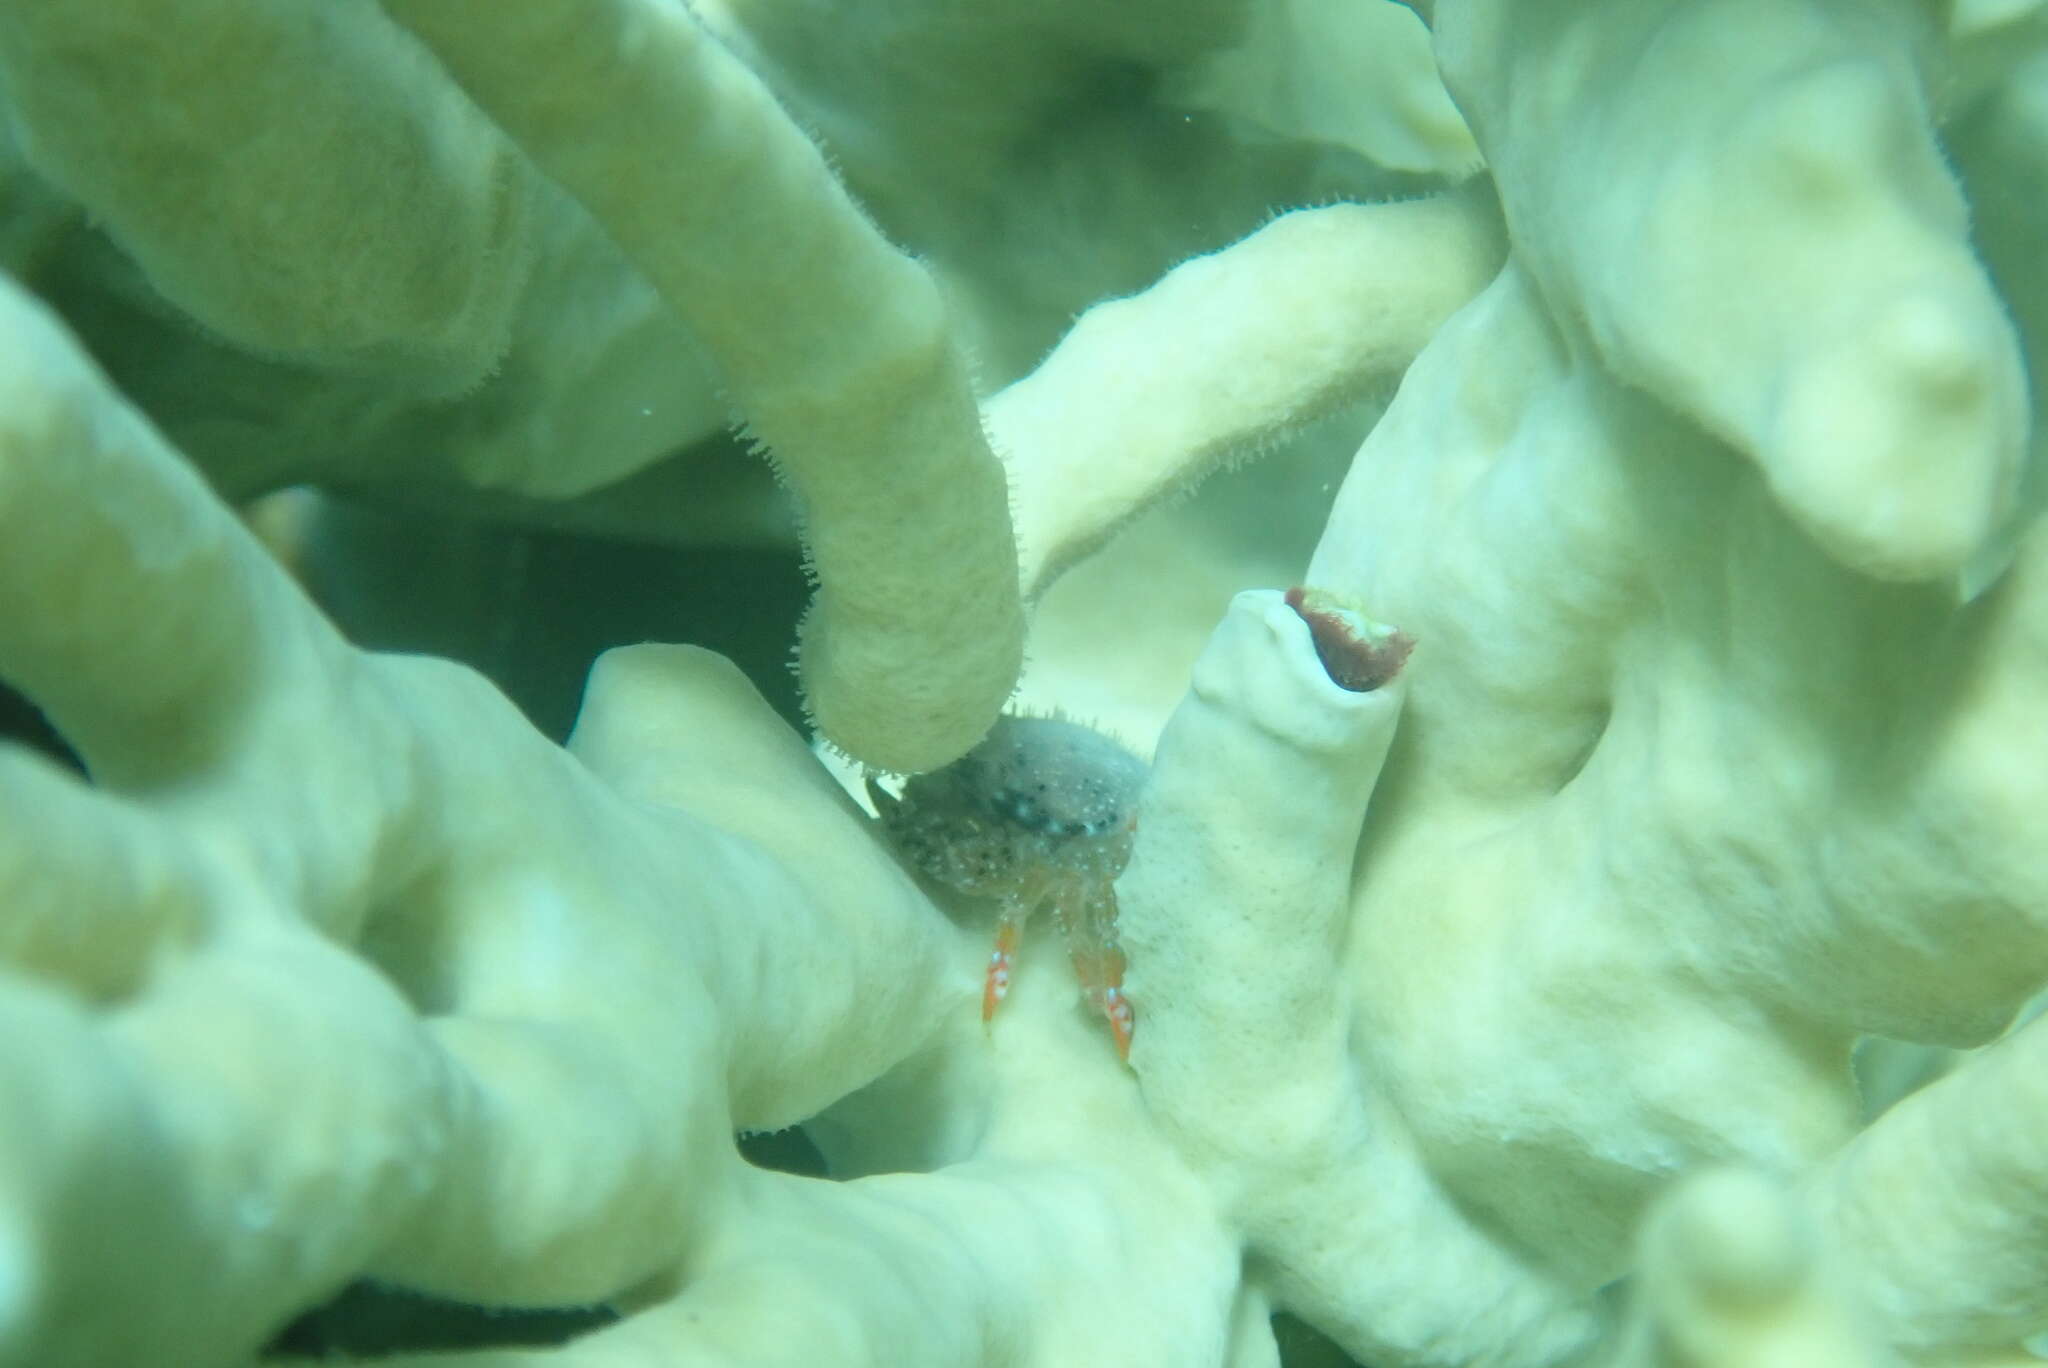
1090 927
996 985
1116 1008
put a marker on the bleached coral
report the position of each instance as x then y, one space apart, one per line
1516 1035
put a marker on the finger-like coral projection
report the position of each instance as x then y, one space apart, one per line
330 201
1496 971
838 349
1889 418
1682 803
334 928
214 929
1264 774
1226 355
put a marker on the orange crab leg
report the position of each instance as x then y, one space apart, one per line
996 986
1090 923
1100 968
1115 1006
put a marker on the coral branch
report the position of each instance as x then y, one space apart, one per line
275 797
1939 1212
147 1163
1779 252
303 183
330 968
1234 909
838 349
1732 1274
1225 355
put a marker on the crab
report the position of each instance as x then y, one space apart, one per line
1041 813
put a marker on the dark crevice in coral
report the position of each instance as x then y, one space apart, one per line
533 609
23 722
369 1319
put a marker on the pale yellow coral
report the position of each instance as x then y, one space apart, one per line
334 968
1743 208
292 839
1226 355
837 349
